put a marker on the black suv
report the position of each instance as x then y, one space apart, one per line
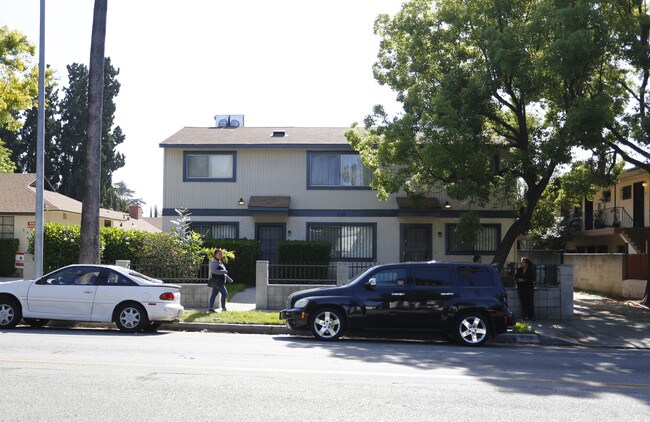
464 300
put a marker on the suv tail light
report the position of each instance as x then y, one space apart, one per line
167 296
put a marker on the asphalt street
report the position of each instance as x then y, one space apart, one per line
86 374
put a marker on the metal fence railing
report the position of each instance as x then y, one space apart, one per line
313 274
188 274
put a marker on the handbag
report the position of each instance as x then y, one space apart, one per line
216 280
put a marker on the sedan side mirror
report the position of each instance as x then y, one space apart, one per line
372 282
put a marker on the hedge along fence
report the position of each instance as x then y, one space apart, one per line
247 251
303 260
184 254
8 249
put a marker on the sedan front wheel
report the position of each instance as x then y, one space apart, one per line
327 324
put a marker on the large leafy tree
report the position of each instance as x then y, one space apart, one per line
23 141
480 79
18 85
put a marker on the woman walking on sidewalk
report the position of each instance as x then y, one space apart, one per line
525 278
218 280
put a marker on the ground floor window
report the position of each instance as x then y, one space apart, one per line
6 227
216 230
349 241
487 242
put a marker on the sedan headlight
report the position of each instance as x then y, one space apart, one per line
301 303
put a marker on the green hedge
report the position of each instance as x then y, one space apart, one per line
60 246
242 268
121 244
315 256
8 249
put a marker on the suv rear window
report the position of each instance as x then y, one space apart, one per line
475 277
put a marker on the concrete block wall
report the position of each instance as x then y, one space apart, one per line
598 272
554 303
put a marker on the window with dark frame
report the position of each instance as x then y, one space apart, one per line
6 227
487 242
209 166
216 230
337 170
626 192
349 241
607 196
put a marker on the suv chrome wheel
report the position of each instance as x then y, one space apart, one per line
326 324
472 330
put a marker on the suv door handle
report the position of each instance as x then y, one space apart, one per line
446 294
397 294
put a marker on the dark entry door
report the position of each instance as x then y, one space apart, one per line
637 204
589 214
416 242
269 235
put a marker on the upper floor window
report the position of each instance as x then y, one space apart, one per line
487 242
6 227
337 170
209 166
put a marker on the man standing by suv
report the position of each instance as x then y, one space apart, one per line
525 278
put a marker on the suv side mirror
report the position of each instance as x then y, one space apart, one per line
372 282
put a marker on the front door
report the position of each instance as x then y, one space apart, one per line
270 235
384 302
637 204
416 242
589 215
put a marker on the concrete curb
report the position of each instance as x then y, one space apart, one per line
508 338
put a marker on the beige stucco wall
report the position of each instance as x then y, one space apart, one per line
627 179
597 272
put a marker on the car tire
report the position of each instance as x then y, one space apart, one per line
471 329
10 313
327 323
36 322
152 327
131 318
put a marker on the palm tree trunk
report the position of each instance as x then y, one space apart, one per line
89 242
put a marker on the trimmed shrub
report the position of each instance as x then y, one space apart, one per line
8 249
247 251
121 244
311 259
60 246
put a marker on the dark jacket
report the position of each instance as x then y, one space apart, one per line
528 276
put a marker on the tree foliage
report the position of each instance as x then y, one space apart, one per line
18 85
480 79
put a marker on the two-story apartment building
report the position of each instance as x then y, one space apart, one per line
617 220
297 183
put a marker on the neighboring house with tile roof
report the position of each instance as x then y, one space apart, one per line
18 203
307 183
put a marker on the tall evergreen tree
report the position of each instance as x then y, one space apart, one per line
74 116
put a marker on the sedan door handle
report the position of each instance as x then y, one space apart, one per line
397 294
89 292
446 294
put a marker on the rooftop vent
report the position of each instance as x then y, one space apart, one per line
229 120
278 133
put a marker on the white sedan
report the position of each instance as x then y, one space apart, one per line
93 293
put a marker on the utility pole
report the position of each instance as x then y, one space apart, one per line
40 151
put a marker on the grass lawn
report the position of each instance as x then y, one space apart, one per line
233 317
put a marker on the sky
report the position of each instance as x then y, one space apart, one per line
279 63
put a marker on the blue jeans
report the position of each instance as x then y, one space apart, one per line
224 293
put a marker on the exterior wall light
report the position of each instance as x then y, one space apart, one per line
447 205
241 201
